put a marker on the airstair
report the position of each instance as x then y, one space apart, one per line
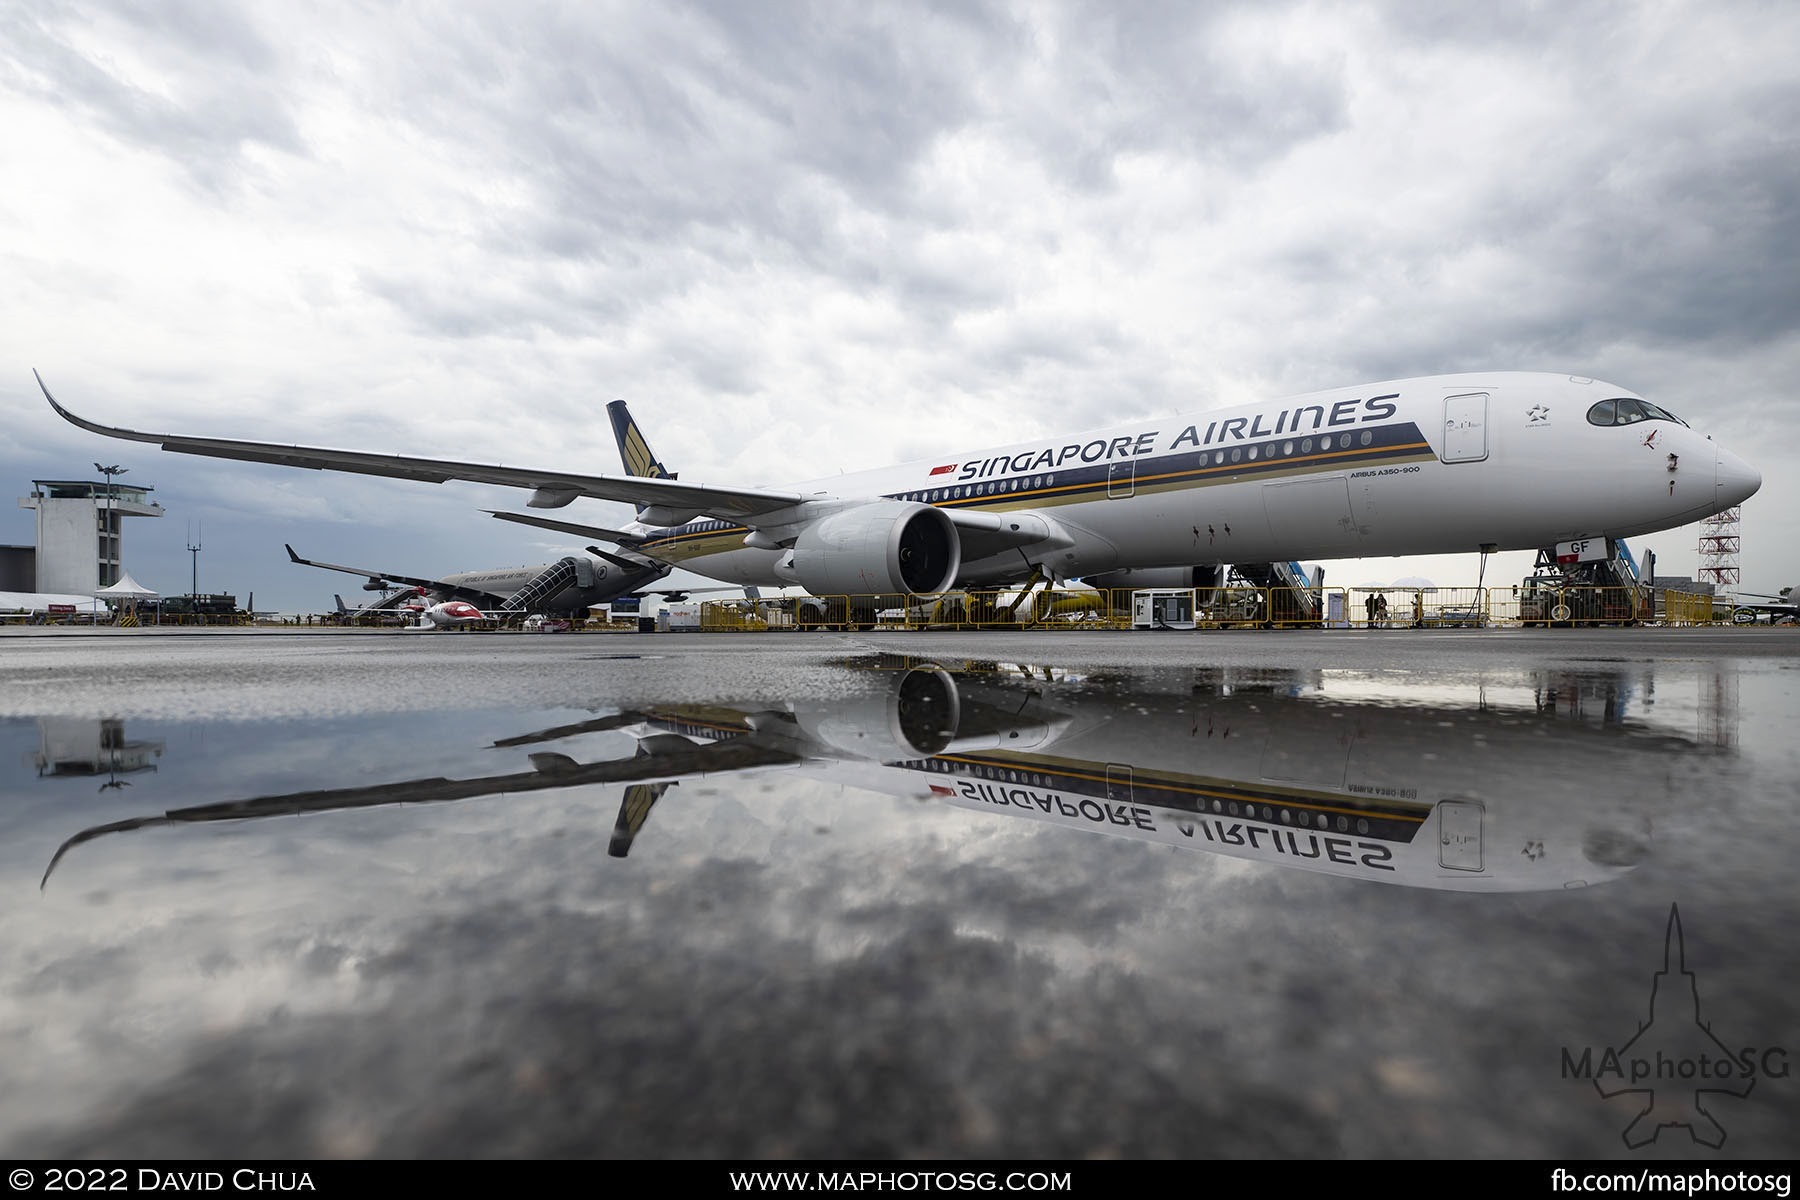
544 587
1295 598
1624 569
1622 572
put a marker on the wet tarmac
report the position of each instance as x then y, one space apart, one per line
1331 894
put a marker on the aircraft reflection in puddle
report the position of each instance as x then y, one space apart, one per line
1262 765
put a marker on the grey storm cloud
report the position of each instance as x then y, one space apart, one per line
212 58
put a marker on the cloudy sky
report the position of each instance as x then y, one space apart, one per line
805 237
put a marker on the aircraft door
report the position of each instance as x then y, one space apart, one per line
1121 479
1465 428
1459 835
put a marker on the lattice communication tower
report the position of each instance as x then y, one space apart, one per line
1719 552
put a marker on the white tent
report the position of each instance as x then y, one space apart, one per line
49 602
126 588
124 595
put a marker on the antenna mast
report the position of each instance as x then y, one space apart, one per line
194 551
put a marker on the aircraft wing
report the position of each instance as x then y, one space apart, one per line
551 489
388 603
473 595
660 759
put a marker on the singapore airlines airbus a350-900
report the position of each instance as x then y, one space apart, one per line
1432 465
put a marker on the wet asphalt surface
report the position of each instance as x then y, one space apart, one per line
1330 894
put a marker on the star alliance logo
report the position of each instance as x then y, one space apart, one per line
1674 1065
1537 414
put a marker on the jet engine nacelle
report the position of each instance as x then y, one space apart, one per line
890 547
925 714
916 718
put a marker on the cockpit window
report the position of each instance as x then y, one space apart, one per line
1627 410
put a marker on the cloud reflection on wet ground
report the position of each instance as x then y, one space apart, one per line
795 901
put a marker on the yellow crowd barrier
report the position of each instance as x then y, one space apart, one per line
1422 608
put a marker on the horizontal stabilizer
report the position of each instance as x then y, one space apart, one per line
574 527
631 562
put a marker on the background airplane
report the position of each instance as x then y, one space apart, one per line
571 586
1433 465
450 614
412 609
1754 607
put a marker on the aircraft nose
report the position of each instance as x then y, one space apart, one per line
1735 480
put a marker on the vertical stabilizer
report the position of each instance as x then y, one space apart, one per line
634 450
634 810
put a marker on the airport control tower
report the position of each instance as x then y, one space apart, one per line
79 548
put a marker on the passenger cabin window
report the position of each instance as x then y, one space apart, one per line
1628 411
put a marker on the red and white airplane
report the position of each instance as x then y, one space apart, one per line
450 613
446 614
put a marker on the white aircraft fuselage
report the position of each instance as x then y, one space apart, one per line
502 582
1446 464
1433 465
1448 796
